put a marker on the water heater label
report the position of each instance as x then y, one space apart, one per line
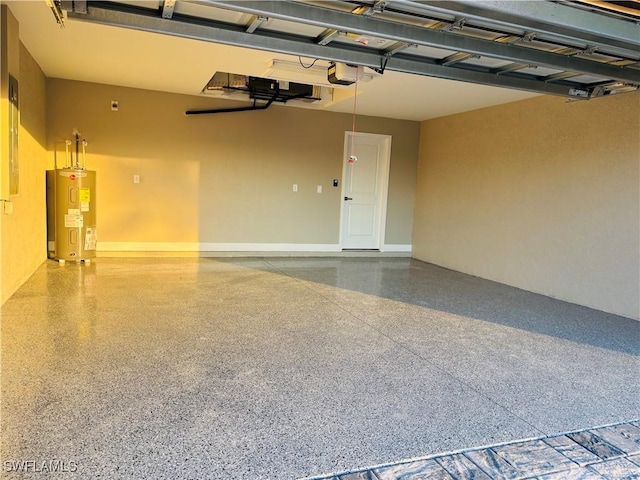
84 206
73 221
90 238
85 194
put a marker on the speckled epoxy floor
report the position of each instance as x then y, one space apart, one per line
285 368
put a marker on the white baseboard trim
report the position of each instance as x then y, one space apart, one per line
397 248
214 247
197 247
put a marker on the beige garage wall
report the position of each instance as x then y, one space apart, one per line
220 179
23 238
540 194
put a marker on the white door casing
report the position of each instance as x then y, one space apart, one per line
364 191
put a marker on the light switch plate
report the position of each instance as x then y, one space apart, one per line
7 207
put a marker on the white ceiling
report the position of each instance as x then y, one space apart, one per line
117 56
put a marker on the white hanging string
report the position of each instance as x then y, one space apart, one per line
352 157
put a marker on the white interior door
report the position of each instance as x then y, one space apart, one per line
364 190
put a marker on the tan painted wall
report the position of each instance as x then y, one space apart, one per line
224 178
23 238
540 194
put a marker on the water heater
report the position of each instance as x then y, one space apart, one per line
71 209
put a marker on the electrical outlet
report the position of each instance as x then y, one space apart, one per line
295 187
319 189
136 179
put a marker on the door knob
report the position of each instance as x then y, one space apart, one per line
348 198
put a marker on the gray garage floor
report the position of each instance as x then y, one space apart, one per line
283 368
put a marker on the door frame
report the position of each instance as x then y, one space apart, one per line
384 188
